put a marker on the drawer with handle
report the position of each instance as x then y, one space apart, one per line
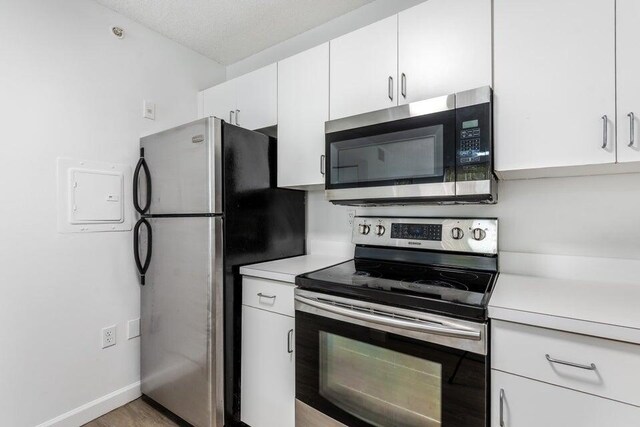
592 365
268 295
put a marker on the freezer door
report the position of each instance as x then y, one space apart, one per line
185 170
181 319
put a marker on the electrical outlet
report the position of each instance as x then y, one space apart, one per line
133 328
108 336
352 216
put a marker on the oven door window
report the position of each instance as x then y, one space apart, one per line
380 386
419 150
363 377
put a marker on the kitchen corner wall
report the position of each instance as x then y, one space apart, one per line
69 88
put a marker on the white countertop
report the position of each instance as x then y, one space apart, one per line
286 270
598 308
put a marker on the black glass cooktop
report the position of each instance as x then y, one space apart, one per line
454 291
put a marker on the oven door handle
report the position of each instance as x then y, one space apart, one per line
458 332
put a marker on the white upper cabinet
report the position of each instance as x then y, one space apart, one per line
444 46
257 98
250 101
554 82
303 107
220 101
364 67
628 69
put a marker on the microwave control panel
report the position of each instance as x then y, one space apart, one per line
474 157
471 150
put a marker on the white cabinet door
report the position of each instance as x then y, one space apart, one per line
444 46
364 68
268 369
257 98
554 80
628 69
529 403
220 101
303 107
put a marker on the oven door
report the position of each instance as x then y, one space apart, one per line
404 152
362 364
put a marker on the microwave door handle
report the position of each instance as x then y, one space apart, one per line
389 321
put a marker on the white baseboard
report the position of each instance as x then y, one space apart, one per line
94 409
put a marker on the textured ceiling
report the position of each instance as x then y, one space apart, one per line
229 30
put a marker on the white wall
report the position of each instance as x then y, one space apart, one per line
337 27
69 88
594 216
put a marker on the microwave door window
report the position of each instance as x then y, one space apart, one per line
402 157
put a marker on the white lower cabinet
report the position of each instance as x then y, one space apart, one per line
545 377
529 403
268 367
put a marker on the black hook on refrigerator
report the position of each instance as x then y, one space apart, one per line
142 267
142 164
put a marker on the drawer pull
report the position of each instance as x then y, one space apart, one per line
289 339
261 295
501 407
591 367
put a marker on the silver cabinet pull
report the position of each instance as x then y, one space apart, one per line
591 367
261 295
403 85
231 113
631 129
605 136
289 340
322 168
237 115
501 407
391 88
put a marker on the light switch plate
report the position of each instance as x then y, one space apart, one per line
149 110
133 328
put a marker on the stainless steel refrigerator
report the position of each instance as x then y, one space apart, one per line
207 196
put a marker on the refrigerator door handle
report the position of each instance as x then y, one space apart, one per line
142 267
142 164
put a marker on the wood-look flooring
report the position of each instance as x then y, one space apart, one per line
135 414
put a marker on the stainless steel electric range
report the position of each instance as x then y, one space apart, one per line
398 336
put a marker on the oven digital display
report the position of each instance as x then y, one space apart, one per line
416 231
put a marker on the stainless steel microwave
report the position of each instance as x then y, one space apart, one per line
438 150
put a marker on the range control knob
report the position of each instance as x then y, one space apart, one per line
364 229
457 233
479 233
379 230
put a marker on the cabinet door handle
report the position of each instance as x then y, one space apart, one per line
591 367
237 115
631 129
289 341
501 407
261 295
403 85
391 88
605 136
231 113
322 168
